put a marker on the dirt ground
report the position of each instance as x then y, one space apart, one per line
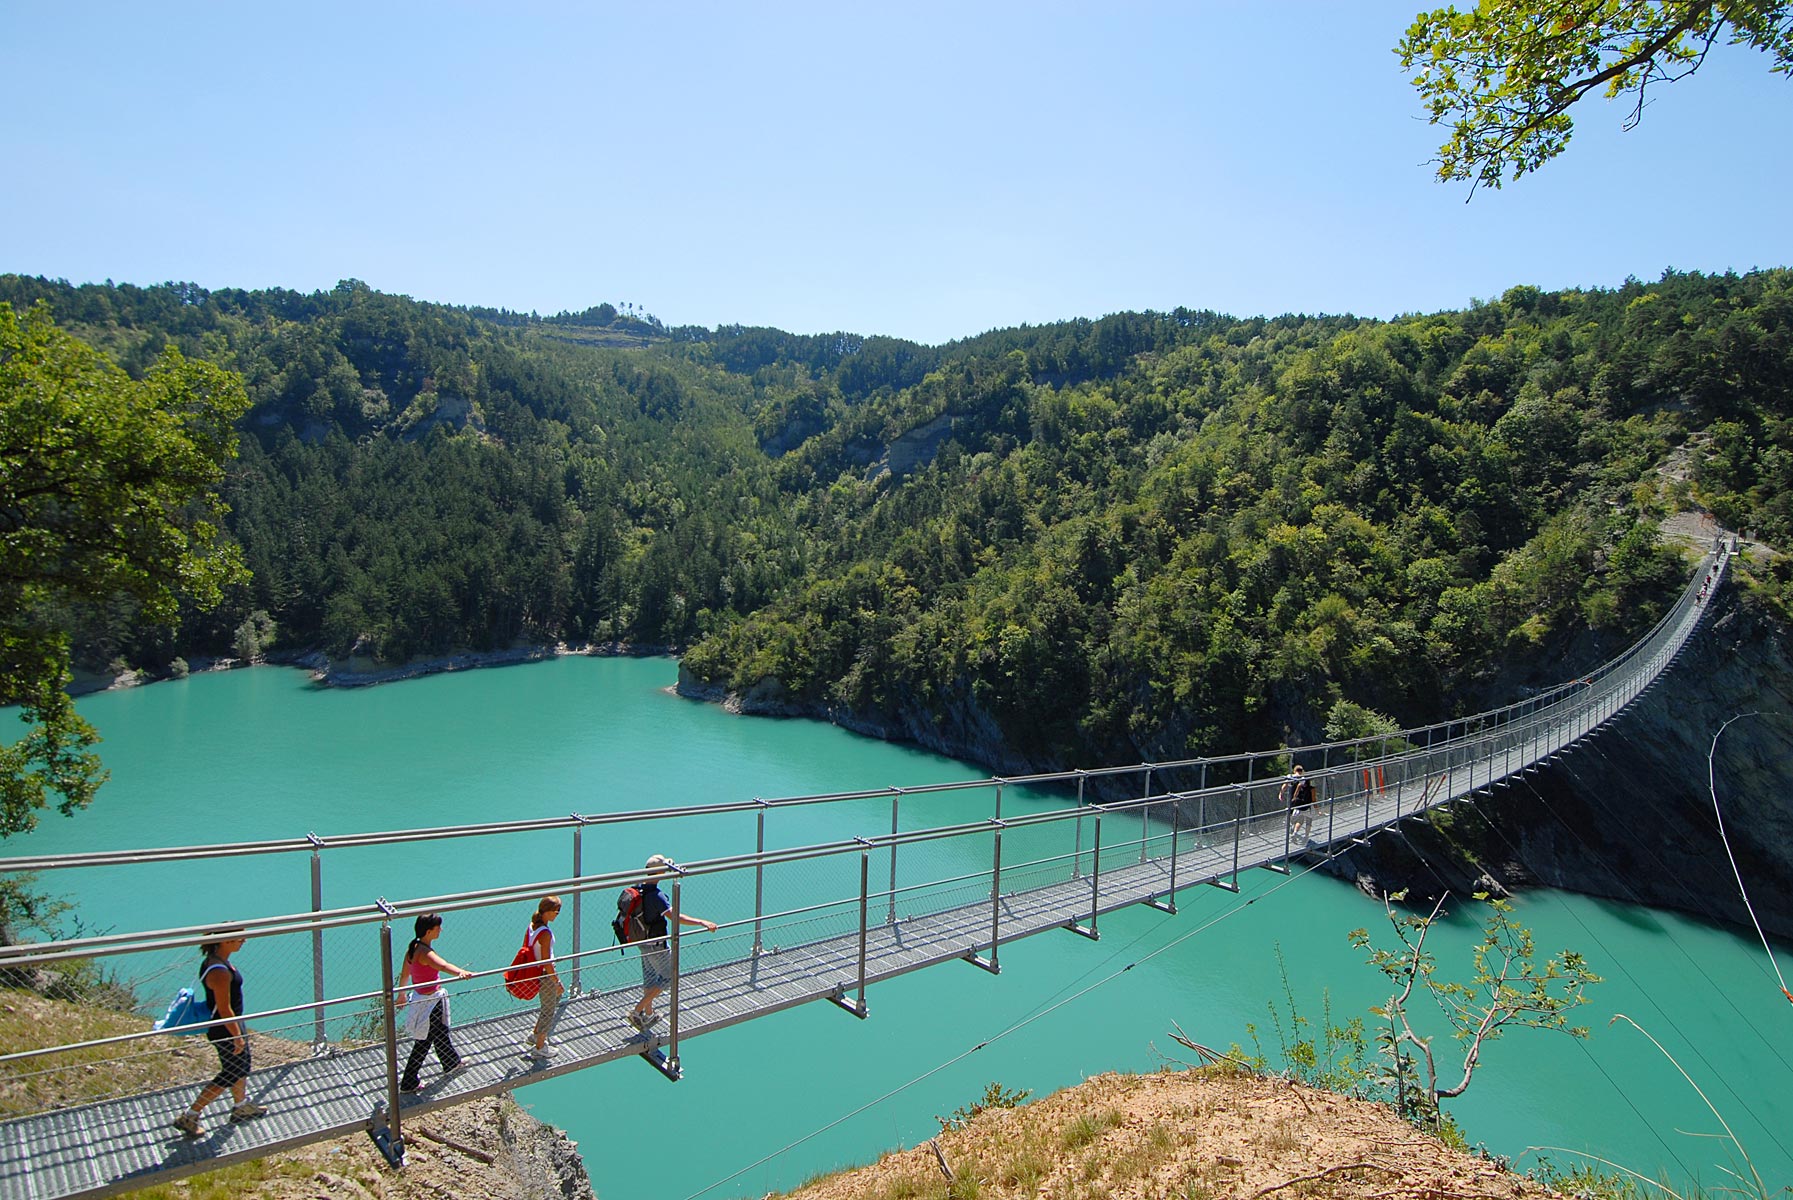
1198 1135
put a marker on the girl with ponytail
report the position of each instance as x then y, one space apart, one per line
428 1023
540 939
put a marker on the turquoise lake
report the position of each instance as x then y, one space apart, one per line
263 754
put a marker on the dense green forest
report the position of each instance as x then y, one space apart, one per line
1150 534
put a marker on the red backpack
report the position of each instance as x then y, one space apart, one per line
630 924
523 978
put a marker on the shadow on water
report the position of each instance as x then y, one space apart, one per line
1641 919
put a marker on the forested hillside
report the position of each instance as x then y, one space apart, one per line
1151 534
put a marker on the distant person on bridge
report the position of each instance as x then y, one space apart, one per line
656 957
223 985
1298 795
427 1020
540 939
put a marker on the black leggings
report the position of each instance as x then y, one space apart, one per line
231 1065
445 1052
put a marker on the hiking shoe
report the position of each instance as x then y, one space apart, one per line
405 1089
457 1069
248 1110
644 1021
541 1053
187 1123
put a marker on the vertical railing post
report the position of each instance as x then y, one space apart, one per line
1201 810
1506 743
1450 763
1175 824
1382 757
996 899
1077 851
319 1041
672 1017
1251 769
896 798
578 895
1326 782
838 996
865 866
1095 887
759 873
990 964
1237 829
1288 825
1145 816
1095 876
389 1024
997 815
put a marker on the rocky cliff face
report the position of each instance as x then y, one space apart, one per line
962 729
1628 814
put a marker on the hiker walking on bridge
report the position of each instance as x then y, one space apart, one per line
223 985
646 917
540 941
1297 796
427 1018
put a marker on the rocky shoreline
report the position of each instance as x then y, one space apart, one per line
356 671
360 671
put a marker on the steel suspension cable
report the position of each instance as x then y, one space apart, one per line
1621 1092
1635 899
1695 896
1712 785
1642 991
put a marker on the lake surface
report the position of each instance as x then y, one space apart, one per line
765 1105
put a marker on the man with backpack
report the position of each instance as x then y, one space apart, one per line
641 918
1298 796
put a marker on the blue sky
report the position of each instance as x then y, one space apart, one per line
927 170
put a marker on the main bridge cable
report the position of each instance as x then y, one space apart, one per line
1712 785
1043 1011
1647 993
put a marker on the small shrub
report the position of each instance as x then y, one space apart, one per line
995 1096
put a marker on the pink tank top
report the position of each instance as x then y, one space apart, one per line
424 975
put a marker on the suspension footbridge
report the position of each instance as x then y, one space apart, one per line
804 923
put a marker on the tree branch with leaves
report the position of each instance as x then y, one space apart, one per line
1504 75
1508 990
